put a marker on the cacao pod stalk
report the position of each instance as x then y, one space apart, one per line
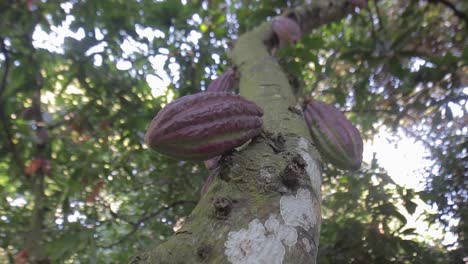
211 176
224 83
335 136
287 30
212 163
204 125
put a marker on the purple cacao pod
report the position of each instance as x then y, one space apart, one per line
337 139
204 125
287 30
224 83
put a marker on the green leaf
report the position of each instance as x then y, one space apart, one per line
409 231
396 67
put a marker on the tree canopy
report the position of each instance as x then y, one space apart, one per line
81 80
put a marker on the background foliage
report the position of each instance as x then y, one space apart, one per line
81 80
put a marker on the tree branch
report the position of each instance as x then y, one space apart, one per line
238 198
316 14
458 13
9 138
379 16
3 118
373 31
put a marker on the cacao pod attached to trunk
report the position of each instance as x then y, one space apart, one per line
201 126
337 139
226 82
287 30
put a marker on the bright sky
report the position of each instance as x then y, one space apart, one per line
404 160
400 156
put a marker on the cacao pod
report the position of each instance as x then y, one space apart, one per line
337 139
204 125
224 83
286 29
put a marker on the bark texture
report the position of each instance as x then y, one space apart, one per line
264 203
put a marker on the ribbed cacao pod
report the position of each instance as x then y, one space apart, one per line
224 83
337 139
201 126
287 30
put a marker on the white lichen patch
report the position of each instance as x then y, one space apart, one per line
260 243
312 168
288 234
303 144
271 224
313 171
285 233
299 210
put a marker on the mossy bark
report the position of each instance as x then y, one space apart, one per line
264 204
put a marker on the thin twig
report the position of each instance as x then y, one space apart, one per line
371 16
452 7
137 224
7 66
379 16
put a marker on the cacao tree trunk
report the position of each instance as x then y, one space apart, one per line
264 203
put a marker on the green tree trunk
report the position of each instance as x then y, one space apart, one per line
264 204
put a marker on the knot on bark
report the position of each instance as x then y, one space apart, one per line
222 207
293 173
